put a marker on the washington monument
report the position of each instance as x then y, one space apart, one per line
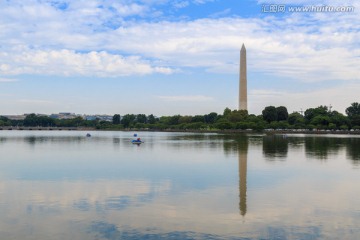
243 80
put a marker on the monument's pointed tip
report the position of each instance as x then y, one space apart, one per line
243 46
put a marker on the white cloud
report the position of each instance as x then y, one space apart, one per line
67 62
34 101
195 98
181 4
221 13
8 80
339 98
129 9
290 47
202 1
306 47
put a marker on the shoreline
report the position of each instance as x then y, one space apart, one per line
226 131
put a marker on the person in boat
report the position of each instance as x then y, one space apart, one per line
138 140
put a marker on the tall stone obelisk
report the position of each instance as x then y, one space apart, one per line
243 80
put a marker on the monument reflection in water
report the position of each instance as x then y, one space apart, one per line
238 145
62 185
243 152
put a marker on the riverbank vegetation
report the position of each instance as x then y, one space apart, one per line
319 118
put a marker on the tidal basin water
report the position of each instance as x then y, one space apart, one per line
64 185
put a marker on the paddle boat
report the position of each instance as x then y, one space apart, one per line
88 135
137 141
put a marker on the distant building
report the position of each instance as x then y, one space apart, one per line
107 118
89 117
15 117
64 115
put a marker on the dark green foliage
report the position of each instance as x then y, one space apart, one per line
223 124
282 113
165 120
174 120
279 125
242 125
211 117
151 119
355 120
104 124
270 114
193 126
320 120
227 111
353 110
185 119
338 120
127 120
116 119
353 113
139 125
33 120
4 121
141 118
313 112
75 122
237 116
296 118
198 118
272 117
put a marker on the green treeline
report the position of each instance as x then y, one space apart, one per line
271 118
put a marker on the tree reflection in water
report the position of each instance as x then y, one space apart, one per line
322 148
353 150
275 147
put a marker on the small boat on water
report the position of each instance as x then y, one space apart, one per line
88 135
137 142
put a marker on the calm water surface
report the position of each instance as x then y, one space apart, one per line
63 185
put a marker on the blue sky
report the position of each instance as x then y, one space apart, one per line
171 57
